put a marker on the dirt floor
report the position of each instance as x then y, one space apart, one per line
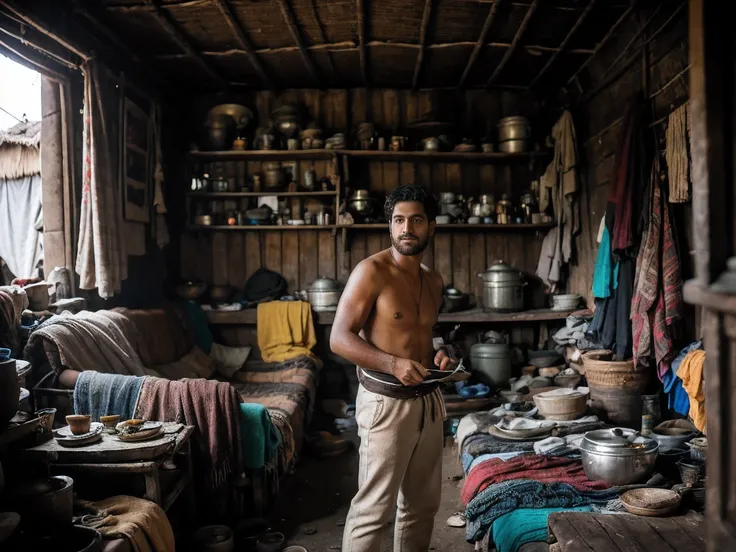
316 500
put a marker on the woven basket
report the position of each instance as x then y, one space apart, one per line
602 371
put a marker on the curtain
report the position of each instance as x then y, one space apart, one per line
20 207
101 258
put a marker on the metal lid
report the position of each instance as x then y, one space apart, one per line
500 271
513 120
325 284
619 441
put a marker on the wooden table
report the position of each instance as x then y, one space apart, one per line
118 457
586 532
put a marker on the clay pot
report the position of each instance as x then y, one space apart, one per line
45 505
110 422
9 392
79 424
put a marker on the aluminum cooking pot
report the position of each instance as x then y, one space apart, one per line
514 128
502 288
324 295
618 456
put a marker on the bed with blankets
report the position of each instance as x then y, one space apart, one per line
511 486
162 364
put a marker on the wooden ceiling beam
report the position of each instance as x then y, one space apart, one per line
170 27
604 41
563 45
42 27
237 29
360 12
28 58
479 44
514 43
291 22
323 37
426 18
35 42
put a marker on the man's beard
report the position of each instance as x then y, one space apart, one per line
409 249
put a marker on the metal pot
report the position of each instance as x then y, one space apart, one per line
324 295
618 456
512 146
502 288
273 176
672 437
514 128
492 363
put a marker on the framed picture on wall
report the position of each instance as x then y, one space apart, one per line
136 164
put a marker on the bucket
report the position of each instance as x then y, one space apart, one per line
492 363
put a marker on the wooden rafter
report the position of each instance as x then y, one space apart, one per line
564 43
237 29
108 32
514 43
34 42
168 25
290 18
426 18
360 12
323 37
479 44
44 28
351 46
604 41
24 57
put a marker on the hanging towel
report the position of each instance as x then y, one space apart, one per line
677 153
20 242
261 440
691 374
286 331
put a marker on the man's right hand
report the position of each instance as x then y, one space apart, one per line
408 371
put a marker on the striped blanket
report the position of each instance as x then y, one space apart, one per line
288 390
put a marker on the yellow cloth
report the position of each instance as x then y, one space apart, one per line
285 330
142 522
691 374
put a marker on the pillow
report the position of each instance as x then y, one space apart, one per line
229 360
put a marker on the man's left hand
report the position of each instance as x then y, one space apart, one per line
444 361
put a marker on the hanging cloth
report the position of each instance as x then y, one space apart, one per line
677 153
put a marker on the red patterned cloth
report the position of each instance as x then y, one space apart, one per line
535 467
657 301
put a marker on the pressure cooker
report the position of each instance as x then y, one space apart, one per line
502 288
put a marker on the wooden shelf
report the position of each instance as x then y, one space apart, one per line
264 155
249 316
262 228
373 155
448 156
223 195
468 227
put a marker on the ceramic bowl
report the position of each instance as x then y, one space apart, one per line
110 422
79 424
47 416
271 542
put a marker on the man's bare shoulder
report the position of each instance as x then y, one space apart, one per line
373 266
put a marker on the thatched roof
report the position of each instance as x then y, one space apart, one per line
23 134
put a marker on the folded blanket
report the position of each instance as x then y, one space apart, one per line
143 523
91 341
513 530
502 498
261 440
213 408
285 330
534 467
105 394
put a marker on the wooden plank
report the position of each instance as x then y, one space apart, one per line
461 261
219 259
308 258
340 109
358 106
674 537
496 249
477 248
375 108
391 110
390 177
374 243
407 173
443 257
567 534
357 250
516 255
272 251
236 260
343 257
290 259
428 255
326 249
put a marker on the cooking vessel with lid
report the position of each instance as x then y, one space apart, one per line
618 456
502 288
324 294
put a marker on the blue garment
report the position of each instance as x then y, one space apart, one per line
261 439
677 398
476 391
511 531
605 275
99 394
496 500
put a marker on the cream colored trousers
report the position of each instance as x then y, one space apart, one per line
400 464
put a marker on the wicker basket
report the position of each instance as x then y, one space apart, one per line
602 371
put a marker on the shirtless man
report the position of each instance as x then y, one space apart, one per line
384 324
